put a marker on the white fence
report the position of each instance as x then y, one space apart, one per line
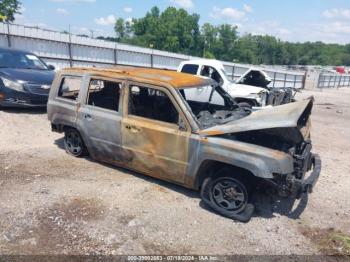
333 80
67 50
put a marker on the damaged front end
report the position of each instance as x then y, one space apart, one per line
285 129
297 183
304 161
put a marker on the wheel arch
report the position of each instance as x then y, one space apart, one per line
209 168
252 102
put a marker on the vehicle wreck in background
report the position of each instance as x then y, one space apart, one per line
186 130
251 89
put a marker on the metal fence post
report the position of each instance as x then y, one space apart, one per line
233 73
304 80
339 83
116 54
274 79
8 35
285 80
319 81
335 81
70 50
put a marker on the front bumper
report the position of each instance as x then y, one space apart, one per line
306 185
13 98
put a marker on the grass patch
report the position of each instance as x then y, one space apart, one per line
329 241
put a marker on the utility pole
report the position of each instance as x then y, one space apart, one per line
70 48
92 33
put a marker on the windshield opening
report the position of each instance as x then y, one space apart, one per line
211 105
21 61
228 78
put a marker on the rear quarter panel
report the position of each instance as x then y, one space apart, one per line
61 111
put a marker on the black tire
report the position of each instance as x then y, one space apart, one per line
229 194
74 144
226 192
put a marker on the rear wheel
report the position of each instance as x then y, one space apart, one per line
74 144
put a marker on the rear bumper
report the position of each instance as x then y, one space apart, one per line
306 185
12 98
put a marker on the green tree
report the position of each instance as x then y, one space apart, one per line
178 31
8 9
120 28
172 30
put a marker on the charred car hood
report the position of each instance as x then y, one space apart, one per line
293 115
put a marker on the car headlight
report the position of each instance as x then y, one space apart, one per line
12 85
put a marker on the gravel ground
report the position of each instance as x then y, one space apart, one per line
52 203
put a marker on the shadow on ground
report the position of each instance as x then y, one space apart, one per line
267 205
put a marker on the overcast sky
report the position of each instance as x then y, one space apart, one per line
298 20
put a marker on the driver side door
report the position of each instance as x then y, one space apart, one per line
153 142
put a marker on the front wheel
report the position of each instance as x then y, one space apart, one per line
229 194
74 144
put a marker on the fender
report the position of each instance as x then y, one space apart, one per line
260 161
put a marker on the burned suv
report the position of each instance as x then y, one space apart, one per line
165 124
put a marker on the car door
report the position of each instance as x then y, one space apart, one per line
100 119
153 142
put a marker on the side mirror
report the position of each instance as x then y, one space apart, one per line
182 125
51 67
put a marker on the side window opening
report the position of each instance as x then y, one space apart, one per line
216 76
190 69
199 98
69 88
104 94
205 71
255 78
153 104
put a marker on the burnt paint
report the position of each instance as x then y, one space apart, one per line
154 148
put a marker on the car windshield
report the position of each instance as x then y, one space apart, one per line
21 60
211 105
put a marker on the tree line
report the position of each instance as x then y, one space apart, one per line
176 30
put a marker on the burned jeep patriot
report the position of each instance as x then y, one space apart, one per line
166 125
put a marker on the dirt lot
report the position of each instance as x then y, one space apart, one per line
52 203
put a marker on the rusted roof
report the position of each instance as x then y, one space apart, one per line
175 79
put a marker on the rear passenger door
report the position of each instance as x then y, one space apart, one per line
100 119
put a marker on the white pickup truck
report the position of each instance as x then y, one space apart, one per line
251 89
